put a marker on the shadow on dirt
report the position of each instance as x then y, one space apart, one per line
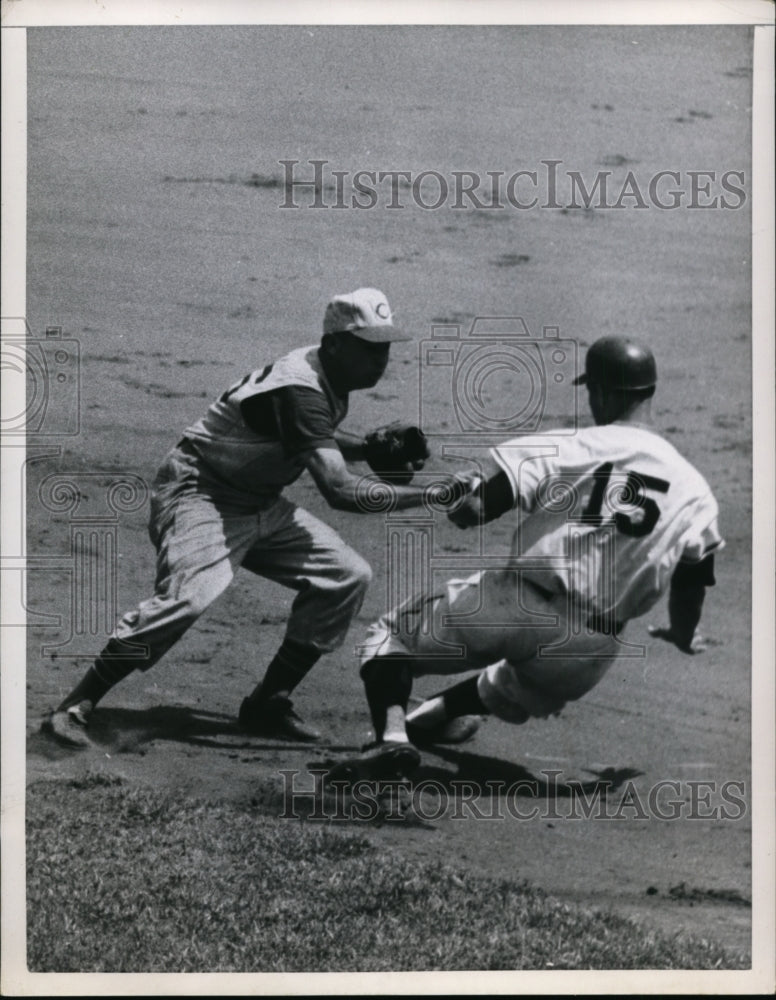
492 776
126 730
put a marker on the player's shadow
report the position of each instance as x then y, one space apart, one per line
493 777
128 730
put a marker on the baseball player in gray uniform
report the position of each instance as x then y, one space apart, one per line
217 505
606 521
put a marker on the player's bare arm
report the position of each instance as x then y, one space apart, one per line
489 497
685 605
351 445
343 490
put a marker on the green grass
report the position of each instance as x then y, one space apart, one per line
121 879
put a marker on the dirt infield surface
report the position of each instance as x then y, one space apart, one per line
156 241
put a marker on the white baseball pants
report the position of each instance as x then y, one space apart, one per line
533 652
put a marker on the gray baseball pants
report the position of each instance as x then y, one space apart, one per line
201 539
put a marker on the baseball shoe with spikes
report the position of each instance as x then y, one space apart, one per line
69 726
458 730
385 761
275 718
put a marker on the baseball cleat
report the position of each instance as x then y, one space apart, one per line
275 718
380 762
458 730
69 726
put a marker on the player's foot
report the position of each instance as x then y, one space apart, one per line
275 718
458 730
384 761
68 726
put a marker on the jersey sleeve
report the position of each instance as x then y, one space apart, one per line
299 417
526 462
702 536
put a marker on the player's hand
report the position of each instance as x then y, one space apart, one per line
469 479
467 512
396 452
695 646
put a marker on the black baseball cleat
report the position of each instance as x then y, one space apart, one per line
275 718
458 730
386 761
68 726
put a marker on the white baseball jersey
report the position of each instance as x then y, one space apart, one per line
606 515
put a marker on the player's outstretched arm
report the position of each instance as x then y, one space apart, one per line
351 445
486 501
685 605
358 494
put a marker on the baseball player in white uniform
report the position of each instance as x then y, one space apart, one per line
606 520
217 505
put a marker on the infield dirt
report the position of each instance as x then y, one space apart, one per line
156 241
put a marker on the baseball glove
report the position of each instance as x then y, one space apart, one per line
395 452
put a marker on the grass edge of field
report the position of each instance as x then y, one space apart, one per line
128 879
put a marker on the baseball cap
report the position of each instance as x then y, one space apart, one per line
619 363
366 314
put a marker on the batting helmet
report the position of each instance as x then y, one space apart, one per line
619 363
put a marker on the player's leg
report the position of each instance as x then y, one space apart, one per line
451 716
516 690
299 551
410 641
472 618
387 664
387 686
476 622
398 647
198 550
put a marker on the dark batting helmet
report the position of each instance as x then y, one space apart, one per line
619 363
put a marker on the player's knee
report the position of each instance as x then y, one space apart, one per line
358 573
192 606
184 595
499 703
